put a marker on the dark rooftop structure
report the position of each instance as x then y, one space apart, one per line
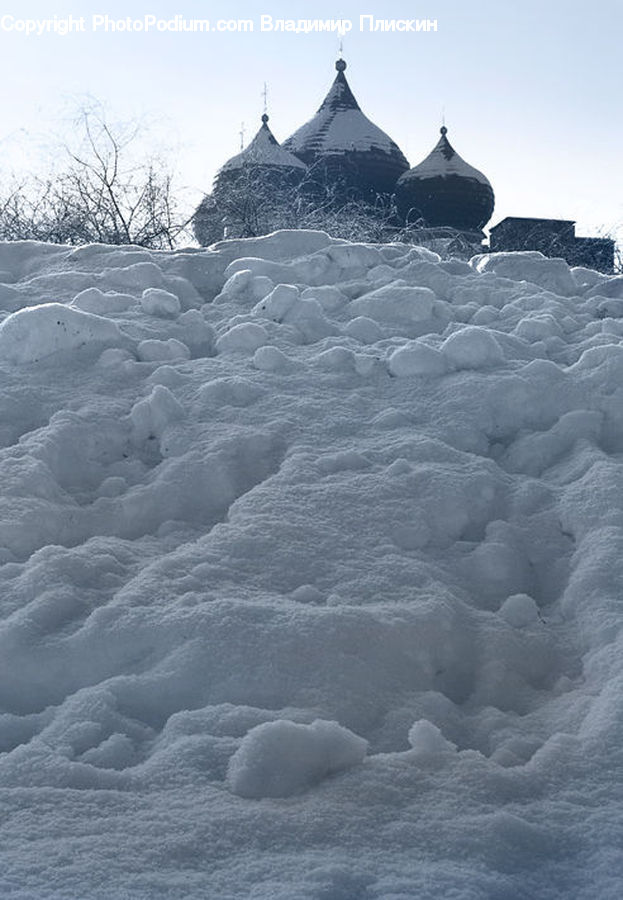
247 190
264 158
340 156
344 148
555 238
445 190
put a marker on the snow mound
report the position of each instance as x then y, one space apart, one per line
278 759
151 416
272 359
609 287
278 303
155 351
157 302
519 610
472 347
396 304
246 337
363 329
31 334
416 358
427 740
103 303
285 244
530 265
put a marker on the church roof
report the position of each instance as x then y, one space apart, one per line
443 160
340 127
263 150
444 190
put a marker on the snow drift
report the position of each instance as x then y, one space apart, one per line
311 558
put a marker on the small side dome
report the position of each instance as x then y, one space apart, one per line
264 158
344 148
252 192
445 190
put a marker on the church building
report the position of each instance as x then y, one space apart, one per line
340 156
344 149
337 157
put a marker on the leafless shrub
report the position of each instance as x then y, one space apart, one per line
102 195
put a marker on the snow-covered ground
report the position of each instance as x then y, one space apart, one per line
311 574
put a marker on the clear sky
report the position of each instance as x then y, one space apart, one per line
532 91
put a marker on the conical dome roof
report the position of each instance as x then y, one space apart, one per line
347 144
263 155
263 150
251 191
445 190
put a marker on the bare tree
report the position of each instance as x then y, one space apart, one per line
255 204
103 195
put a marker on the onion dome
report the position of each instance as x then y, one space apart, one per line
445 190
344 146
264 159
251 191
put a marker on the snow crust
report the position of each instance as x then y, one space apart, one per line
310 582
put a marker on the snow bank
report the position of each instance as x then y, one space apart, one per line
287 481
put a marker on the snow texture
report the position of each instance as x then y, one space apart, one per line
310 582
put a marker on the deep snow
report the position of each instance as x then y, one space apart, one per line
311 558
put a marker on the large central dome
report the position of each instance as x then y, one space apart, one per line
344 148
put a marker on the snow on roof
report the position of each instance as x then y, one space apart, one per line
340 126
264 150
350 130
443 160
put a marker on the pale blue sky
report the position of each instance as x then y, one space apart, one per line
531 90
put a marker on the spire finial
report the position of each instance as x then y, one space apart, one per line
340 65
443 130
242 135
265 96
